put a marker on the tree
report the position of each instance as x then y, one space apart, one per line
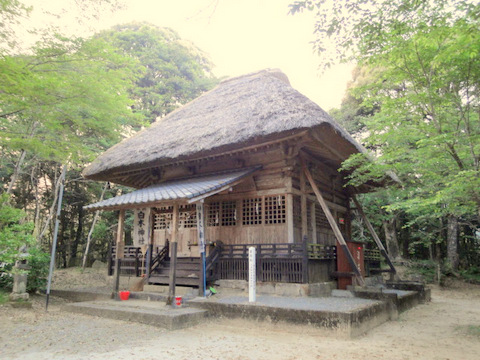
15 231
427 127
176 70
67 99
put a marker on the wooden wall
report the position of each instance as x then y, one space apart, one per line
279 181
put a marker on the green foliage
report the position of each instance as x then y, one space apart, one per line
427 269
38 261
420 108
66 101
472 274
6 277
3 297
17 242
10 12
176 71
15 232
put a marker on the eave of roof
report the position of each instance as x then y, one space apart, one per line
186 190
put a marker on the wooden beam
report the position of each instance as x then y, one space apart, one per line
329 203
255 147
341 157
120 242
313 221
303 205
173 256
377 240
333 225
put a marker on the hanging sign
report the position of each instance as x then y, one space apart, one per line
201 227
141 227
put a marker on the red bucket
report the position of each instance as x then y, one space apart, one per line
124 295
178 301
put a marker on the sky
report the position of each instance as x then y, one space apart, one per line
239 36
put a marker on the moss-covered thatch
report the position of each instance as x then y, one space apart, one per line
249 108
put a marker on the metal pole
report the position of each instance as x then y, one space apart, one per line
55 235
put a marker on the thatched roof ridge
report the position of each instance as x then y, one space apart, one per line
242 109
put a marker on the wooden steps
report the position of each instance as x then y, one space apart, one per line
187 274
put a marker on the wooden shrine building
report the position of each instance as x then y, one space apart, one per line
258 161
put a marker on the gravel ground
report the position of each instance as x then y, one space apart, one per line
441 329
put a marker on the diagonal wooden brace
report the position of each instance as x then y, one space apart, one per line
377 240
334 226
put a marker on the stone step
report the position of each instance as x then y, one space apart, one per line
165 280
146 312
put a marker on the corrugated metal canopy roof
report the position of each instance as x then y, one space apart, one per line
191 190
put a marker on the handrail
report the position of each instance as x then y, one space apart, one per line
213 257
291 250
372 255
160 257
321 252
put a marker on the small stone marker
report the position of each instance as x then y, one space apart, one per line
19 291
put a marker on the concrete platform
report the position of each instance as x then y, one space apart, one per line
146 312
348 317
345 313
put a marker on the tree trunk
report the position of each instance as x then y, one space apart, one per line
52 207
389 227
404 241
36 221
89 237
452 242
78 237
16 171
21 159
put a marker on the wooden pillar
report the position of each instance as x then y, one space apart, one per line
372 231
290 229
173 259
303 206
289 209
313 221
334 226
120 243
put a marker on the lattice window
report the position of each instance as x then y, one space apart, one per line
320 218
229 213
162 218
188 216
213 217
275 209
252 211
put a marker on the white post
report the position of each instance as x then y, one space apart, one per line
252 275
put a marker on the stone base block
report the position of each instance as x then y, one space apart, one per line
21 304
18 297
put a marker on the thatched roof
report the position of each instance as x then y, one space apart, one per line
239 110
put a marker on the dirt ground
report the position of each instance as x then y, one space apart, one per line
446 328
